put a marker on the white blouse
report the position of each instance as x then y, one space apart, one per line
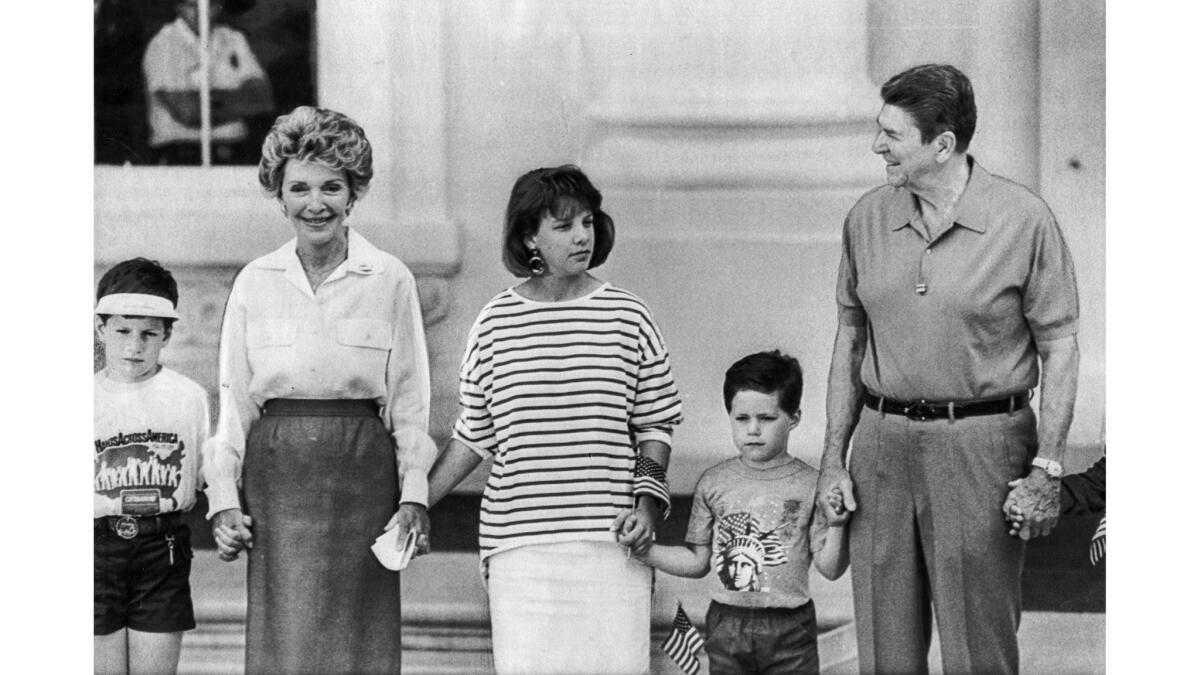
359 336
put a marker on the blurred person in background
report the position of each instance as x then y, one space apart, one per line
238 86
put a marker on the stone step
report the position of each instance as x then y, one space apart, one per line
217 649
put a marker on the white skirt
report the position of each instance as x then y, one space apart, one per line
574 608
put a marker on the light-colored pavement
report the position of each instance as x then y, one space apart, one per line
445 615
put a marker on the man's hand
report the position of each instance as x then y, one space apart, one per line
412 517
231 531
1032 505
835 480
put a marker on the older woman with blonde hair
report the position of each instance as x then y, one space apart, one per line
324 406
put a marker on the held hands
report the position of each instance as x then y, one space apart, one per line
634 529
835 495
1031 507
231 530
411 516
837 501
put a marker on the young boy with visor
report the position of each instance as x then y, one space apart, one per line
149 423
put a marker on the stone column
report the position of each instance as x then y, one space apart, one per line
730 140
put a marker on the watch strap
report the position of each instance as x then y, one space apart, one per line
1051 467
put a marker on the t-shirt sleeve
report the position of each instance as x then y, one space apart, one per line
657 408
850 309
700 524
164 67
474 427
249 66
203 422
1050 296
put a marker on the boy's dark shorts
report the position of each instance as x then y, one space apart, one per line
761 639
136 584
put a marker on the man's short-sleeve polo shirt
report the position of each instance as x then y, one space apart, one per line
958 318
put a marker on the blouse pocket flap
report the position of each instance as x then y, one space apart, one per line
271 333
365 333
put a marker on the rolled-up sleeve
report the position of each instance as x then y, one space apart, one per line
223 454
657 407
475 427
408 392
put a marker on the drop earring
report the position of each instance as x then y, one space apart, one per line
536 264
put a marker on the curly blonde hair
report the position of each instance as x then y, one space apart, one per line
319 135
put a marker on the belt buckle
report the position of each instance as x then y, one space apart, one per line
126 527
919 411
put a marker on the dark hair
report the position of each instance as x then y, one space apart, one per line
562 191
139 275
767 373
939 97
319 135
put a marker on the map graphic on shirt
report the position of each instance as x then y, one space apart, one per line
141 461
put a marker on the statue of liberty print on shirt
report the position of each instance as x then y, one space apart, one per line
743 550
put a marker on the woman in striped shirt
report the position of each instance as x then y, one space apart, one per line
565 384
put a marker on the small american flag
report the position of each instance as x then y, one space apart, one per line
1097 548
744 524
683 644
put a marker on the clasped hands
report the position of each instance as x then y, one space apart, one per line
411 516
1031 507
634 528
231 531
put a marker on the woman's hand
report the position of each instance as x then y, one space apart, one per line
635 529
412 516
231 531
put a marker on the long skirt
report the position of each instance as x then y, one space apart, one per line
575 608
320 483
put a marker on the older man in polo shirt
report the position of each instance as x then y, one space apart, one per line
954 284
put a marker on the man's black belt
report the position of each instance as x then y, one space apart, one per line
941 410
128 527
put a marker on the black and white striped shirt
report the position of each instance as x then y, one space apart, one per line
560 394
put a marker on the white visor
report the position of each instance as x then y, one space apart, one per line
136 304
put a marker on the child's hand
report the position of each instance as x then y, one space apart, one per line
837 501
231 531
632 533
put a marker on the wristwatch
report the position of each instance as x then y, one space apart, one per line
1051 467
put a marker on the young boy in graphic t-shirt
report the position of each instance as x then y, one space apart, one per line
149 424
753 519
